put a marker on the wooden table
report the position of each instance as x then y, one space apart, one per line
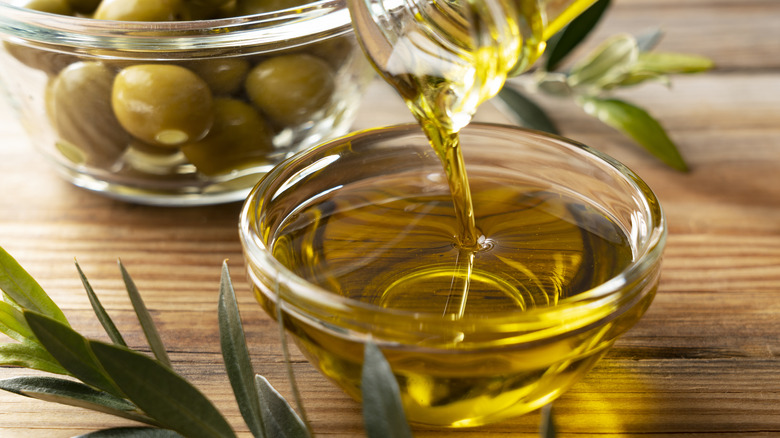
704 361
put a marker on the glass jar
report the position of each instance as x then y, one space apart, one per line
180 113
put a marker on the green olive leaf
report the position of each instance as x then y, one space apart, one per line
638 124
649 40
383 413
68 392
236 356
637 77
609 62
22 289
29 354
12 323
71 350
147 323
562 43
671 63
161 393
554 84
547 425
286 353
131 432
525 111
278 416
10 301
100 312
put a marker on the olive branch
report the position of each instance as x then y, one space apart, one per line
620 61
115 379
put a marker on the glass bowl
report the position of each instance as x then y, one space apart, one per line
340 238
180 113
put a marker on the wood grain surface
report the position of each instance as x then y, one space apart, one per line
704 361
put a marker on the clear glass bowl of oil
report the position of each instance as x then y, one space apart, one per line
356 239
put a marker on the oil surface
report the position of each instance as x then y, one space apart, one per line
394 245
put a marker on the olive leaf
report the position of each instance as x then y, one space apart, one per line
71 350
547 425
161 393
658 66
131 432
383 413
22 289
672 63
76 394
525 111
286 352
147 323
236 356
100 312
563 42
649 40
280 420
606 65
12 323
29 354
638 124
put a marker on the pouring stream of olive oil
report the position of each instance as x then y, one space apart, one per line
531 248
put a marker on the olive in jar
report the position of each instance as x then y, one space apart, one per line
44 60
239 138
142 10
290 89
78 103
250 7
225 76
162 104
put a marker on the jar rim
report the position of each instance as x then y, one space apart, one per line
604 296
286 28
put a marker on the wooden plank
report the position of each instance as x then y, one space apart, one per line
704 361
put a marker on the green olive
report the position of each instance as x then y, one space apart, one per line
225 76
48 62
335 51
289 89
240 137
162 104
205 9
84 6
142 10
250 7
78 102
149 159
59 7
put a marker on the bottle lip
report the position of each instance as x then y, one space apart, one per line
582 310
279 29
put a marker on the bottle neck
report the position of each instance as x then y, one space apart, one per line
444 57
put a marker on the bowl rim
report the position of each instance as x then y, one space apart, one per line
580 307
285 28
